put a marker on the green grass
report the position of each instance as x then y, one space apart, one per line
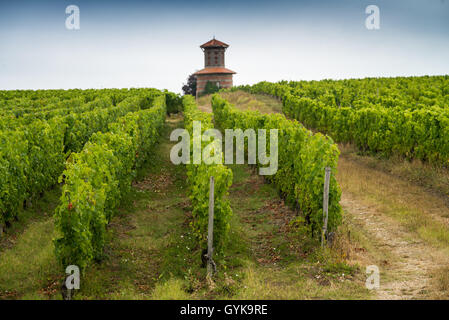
28 267
276 260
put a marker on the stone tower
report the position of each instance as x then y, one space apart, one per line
214 67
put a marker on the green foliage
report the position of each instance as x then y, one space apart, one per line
14 165
31 159
45 153
303 157
211 87
198 181
190 86
37 138
408 117
96 179
173 101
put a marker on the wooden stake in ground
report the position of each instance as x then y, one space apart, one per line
327 176
210 233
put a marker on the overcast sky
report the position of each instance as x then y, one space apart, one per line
156 43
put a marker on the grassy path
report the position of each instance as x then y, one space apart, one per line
28 267
277 260
404 226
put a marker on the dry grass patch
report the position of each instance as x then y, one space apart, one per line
244 101
441 282
422 212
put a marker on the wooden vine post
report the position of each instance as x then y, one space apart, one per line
210 233
327 176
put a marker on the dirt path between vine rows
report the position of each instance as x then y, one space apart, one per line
407 268
398 220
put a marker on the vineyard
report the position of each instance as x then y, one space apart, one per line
408 117
91 170
299 178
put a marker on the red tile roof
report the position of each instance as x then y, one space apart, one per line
214 70
214 43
